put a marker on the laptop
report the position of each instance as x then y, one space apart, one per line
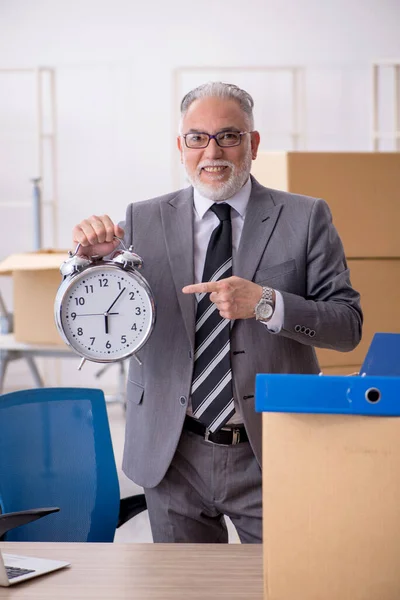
15 568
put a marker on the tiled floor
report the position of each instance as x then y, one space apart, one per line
138 528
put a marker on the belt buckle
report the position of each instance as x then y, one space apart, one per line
235 436
206 438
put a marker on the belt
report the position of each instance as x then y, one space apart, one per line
226 436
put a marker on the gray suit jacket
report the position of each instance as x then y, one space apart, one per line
289 243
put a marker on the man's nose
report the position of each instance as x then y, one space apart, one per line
213 150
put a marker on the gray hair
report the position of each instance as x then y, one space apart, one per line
218 89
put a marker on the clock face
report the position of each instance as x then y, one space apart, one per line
106 313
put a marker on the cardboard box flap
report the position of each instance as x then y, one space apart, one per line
33 261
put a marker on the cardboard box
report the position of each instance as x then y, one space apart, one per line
331 505
378 282
36 278
342 370
361 188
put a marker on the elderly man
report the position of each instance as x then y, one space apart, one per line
247 280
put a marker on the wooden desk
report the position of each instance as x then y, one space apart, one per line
143 572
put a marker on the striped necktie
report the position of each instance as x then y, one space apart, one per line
212 395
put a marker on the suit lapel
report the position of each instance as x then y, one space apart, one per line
177 220
261 216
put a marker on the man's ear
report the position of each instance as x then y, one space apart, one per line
180 146
255 142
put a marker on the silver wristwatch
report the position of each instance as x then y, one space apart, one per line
264 309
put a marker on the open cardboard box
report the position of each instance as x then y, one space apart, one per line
331 482
36 278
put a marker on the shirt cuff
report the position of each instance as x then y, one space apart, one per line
275 323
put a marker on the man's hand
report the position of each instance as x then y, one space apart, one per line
235 297
96 236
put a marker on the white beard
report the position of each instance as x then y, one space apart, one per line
226 189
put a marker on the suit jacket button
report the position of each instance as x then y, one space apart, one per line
183 400
297 328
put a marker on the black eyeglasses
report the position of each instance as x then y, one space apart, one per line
224 139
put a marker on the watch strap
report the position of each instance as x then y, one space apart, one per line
268 294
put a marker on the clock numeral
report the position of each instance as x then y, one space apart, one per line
73 316
134 328
123 339
103 282
138 311
80 331
89 289
92 341
119 285
80 301
131 295
108 345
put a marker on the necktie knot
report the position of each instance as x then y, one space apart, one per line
222 210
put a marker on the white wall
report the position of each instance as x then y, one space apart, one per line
115 64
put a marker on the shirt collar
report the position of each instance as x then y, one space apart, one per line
238 201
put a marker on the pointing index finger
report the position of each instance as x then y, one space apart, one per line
201 288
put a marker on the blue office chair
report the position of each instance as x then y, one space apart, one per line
56 450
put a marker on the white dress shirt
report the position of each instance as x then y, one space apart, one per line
205 221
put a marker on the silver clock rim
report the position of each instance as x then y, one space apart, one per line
70 281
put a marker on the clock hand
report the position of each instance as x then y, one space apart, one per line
106 322
120 294
94 314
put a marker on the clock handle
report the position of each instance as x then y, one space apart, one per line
72 254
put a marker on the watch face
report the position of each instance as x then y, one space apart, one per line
105 313
265 311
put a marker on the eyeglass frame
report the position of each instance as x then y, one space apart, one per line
214 137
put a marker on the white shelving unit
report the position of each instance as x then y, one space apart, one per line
379 135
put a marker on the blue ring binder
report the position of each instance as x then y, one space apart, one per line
367 394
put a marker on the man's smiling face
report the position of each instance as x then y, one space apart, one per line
217 173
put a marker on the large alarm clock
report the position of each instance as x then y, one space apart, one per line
104 309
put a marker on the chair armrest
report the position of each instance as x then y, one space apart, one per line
130 507
11 520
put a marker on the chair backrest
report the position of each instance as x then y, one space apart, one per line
56 450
